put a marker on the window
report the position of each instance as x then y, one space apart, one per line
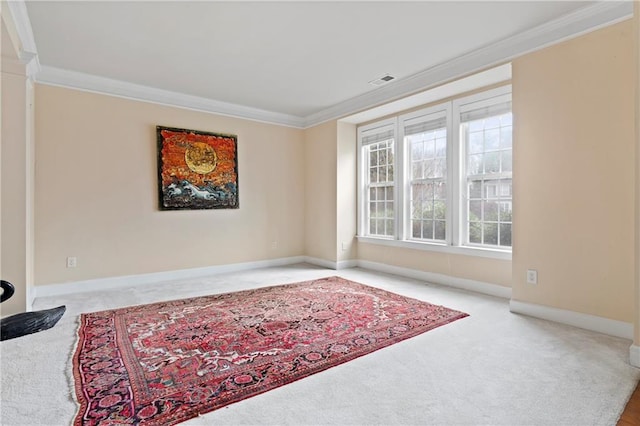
425 141
441 176
378 144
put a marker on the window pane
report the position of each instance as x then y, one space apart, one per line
439 168
505 159
428 191
372 209
476 142
476 125
440 191
380 207
492 162
491 211
416 229
389 193
505 137
488 143
416 151
475 232
440 230
416 192
429 149
388 209
505 234
491 139
490 233
475 210
441 147
416 170
505 212
427 229
373 158
492 122
439 210
427 210
382 156
474 165
373 175
382 174
475 189
389 227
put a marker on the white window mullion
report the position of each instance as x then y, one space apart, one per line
400 179
453 185
458 188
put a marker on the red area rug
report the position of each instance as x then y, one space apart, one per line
164 363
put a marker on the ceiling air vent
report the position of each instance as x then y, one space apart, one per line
382 80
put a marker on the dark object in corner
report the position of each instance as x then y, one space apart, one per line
26 322
8 290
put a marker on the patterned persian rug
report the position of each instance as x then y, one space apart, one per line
164 363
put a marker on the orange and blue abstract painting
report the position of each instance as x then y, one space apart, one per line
196 169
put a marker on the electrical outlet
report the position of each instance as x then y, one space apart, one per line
344 247
72 262
274 245
532 276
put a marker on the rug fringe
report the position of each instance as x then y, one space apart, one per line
70 368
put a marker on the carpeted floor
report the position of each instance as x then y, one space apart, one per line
493 368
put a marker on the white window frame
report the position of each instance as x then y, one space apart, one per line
426 114
362 179
460 106
455 178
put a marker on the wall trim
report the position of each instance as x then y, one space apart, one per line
106 86
101 284
576 319
329 264
566 27
634 355
447 280
563 28
28 51
346 264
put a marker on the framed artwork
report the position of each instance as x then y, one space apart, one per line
197 170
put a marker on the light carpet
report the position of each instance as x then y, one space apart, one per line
493 368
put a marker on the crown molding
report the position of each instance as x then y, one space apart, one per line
92 83
564 28
558 30
28 51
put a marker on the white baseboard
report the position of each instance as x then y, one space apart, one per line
634 356
329 264
111 283
346 264
465 284
576 319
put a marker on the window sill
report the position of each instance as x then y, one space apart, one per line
442 248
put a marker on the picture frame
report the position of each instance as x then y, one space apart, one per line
196 169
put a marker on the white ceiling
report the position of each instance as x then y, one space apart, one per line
293 58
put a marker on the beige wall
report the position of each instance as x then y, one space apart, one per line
574 174
97 193
320 187
636 55
346 192
16 175
494 271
